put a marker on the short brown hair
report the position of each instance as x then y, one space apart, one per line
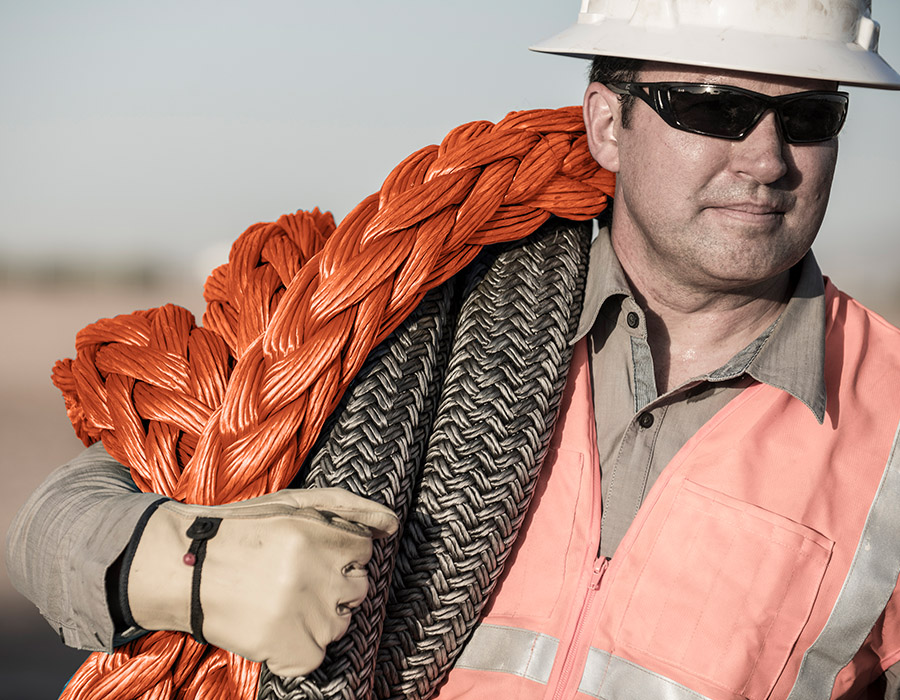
612 69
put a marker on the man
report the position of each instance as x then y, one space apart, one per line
742 540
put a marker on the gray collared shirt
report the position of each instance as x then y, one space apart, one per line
639 431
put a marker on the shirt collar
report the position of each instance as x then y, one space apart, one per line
789 355
793 358
605 278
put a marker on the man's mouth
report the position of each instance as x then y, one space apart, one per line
751 212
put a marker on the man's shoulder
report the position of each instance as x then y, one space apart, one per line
857 336
846 308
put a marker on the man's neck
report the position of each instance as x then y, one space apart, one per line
693 331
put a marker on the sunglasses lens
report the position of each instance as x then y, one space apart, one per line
713 112
727 113
813 118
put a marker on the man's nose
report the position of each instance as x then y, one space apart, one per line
760 154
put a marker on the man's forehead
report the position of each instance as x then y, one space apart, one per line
652 72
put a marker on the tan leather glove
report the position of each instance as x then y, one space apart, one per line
278 580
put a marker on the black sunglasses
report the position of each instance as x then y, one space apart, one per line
728 112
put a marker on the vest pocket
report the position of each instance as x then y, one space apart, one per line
723 593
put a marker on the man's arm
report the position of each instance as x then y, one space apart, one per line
64 539
281 573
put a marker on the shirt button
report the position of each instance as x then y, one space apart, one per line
632 319
645 420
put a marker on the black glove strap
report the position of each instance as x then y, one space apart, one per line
201 531
120 609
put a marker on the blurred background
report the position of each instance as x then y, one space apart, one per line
137 140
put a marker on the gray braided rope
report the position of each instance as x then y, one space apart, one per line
462 502
374 445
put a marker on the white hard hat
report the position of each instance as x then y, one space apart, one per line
824 39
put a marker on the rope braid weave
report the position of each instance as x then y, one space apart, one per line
229 411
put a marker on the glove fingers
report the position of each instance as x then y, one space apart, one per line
352 592
302 650
380 520
301 656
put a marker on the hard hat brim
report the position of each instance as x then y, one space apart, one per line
730 49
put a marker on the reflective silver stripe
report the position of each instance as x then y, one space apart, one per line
867 588
609 677
510 650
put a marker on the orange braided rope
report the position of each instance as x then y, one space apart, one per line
229 411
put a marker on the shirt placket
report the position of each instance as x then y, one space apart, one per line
626 479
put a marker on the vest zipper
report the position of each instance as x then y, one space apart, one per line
600 566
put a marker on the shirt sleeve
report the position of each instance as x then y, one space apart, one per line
64 539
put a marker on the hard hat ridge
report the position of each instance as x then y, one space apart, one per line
835 40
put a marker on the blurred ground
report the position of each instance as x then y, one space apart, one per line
40 313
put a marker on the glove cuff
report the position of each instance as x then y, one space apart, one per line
123 607
159 576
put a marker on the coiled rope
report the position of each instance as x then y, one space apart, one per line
230 410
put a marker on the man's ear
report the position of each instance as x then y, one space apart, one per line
602 115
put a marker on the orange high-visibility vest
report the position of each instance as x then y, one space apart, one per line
762 564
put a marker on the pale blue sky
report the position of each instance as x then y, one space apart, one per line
163 128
